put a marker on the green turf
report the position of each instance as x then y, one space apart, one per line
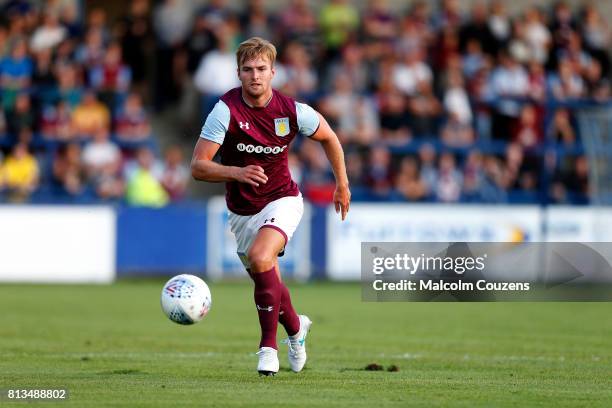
111 346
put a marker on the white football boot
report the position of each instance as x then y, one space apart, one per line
297 345
268 361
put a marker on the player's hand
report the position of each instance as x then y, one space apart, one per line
342 200
251 174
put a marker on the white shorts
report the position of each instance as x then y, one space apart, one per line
283 215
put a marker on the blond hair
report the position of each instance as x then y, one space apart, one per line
253 48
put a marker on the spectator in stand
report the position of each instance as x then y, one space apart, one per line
112 78
473 59
21 118
135 34
355 169
537 82
175 175
456 102
302 78
597 36
380 29
537 36
408 182
429 171
19 173
425 109
476 30
352 65
102 161
69 174
508 82
339 21
297 22
411 72
449 15
354 116
394 119
90 116
43 75
561 129
49 35
143 185
256 21
528 130
132 122
598 86
449 183
56 122
91 53
499 25
172 22
566 83
457 133
15 73
219 64
378 175
69 88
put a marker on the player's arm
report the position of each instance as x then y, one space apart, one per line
205 169
333 150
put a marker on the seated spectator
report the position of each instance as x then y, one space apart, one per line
143 187
68 170
456 133
408 181
355 169
56 122
566 83
175 175
354 116
456 101
528 130
425 109
111 78
561 128
48 35
597 83
394 118
102 161
69 89
132 122
22 117
91 53
90 116
16 72
412 72
302 78
19 173
378 175
450 180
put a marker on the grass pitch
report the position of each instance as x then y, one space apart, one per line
112 346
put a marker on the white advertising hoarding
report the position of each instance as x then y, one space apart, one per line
422 223
57 244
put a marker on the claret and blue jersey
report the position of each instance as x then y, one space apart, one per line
258 136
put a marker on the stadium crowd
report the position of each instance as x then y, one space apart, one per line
433 103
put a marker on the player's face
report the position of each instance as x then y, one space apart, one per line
256 76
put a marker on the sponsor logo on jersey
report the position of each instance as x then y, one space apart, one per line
244 125
281 126
265 308
249 148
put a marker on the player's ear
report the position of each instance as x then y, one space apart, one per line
273 70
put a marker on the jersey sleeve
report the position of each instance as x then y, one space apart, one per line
217 123
307 118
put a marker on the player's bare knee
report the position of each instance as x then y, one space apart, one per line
260 261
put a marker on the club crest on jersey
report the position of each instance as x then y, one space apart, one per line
281 126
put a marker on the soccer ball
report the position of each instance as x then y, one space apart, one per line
186 299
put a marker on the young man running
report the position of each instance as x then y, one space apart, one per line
252 126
